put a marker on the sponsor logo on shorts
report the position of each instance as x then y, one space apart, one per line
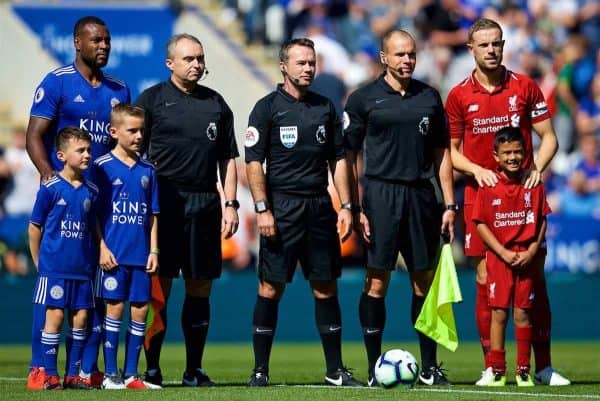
111 283
468 240
492 290
57 292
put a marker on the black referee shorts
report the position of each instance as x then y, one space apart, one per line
403 218
189 233
306 233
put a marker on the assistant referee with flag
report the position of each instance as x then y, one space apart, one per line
401 122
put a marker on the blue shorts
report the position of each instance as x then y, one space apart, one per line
126 283
63 293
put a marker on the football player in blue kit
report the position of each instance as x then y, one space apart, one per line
80 95
128 221
60 239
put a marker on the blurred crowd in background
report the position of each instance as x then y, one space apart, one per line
556 42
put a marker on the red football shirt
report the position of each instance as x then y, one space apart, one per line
474 116
510 211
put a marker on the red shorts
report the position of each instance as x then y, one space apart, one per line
505 284
474 245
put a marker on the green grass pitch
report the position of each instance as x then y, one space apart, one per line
297 374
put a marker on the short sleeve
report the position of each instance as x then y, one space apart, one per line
256 138
439 124
154 193
336 139
355 122
143 101
545 207
227 143
42 206
99 178
47 98
538 106
479 215
455 116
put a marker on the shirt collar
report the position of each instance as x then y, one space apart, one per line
289 97
386 87
477 87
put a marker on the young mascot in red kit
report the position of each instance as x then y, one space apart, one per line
510 219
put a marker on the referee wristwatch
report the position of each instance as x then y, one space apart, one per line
452 206
233 203
353 208
261 206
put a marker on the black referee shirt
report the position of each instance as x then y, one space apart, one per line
297 138
187 134
401 131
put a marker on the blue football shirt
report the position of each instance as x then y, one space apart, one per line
67 99
67 217
128 198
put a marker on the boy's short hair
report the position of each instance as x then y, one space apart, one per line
122 110
68 133
508 134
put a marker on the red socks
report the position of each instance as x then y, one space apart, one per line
523 340
483 317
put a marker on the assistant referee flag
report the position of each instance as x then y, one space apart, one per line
436 319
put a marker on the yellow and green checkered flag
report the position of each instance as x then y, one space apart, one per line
436 319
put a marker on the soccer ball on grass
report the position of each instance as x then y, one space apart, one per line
395 367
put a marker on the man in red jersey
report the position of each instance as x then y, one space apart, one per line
511 221
493 97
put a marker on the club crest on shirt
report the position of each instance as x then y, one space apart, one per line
251 137
57 292
87 204
110 283
321 134
114 101
39 95
424 125
144 181
211 131
527 199
512 103
288 136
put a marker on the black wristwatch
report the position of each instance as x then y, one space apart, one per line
454 207
353 208
232 203
261 206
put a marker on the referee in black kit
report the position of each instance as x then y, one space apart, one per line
298 133
402 122
189 133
